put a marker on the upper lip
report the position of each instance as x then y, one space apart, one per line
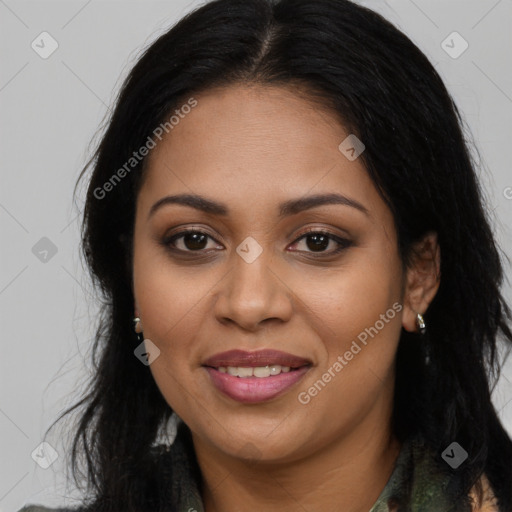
258 358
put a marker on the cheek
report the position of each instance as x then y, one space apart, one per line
169 297
171 316
172 302
358 315
349 301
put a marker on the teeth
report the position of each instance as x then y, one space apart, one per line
244 372
258 371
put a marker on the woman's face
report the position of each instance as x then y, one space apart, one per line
252 282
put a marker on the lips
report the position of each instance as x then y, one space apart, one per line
254 390
246 359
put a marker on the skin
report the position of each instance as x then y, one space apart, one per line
253 147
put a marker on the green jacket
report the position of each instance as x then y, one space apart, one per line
432 487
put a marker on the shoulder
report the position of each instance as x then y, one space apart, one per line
488 502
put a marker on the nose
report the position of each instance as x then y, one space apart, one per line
253 294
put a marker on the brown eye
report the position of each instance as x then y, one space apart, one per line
315 241
192 241
318 241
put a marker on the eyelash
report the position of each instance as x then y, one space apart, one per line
343 243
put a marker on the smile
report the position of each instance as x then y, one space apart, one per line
258 371
256 384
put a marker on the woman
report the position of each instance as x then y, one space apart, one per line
285 223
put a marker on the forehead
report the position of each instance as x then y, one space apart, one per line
248 145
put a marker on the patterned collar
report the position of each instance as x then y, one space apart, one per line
418 483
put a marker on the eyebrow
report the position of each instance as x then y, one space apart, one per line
290 207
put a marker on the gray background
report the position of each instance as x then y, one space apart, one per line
50 110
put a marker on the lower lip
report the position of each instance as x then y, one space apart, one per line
250 390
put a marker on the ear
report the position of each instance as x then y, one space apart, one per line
423 277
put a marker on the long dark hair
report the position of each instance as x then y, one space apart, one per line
387 93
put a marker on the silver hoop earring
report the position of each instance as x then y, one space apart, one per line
420 322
